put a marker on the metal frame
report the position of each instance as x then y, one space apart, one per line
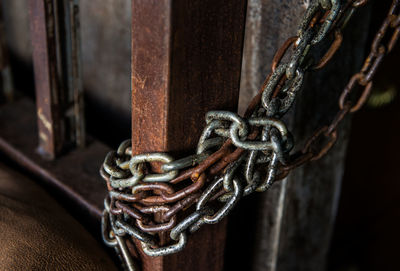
186 59
56 58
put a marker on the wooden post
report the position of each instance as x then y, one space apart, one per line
186 59
56 59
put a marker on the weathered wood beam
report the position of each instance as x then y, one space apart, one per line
293 221
56 59
186 60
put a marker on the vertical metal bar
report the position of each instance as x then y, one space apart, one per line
56 54
74 72
186 59
42 22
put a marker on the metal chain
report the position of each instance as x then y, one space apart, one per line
235 155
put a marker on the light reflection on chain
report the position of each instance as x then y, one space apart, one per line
235 155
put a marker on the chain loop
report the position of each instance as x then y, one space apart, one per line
137 161
162 251
357 78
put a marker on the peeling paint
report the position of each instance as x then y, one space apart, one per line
43 136
44 120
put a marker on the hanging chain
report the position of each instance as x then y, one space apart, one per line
235 155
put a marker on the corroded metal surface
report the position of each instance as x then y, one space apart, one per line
186 58
56 58
46 77
183 67
271 103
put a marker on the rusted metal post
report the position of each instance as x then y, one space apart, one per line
73 72
56 59
186 59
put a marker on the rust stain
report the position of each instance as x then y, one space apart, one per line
138 81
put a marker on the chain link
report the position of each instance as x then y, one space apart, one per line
240 154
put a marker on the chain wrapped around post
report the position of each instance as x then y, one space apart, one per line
236 155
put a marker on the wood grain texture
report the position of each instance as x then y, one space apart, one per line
295 218
186 60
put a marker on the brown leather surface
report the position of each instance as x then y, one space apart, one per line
36 233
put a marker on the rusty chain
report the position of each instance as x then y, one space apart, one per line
236 155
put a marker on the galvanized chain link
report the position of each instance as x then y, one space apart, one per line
235 155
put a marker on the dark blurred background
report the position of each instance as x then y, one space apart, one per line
366 234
